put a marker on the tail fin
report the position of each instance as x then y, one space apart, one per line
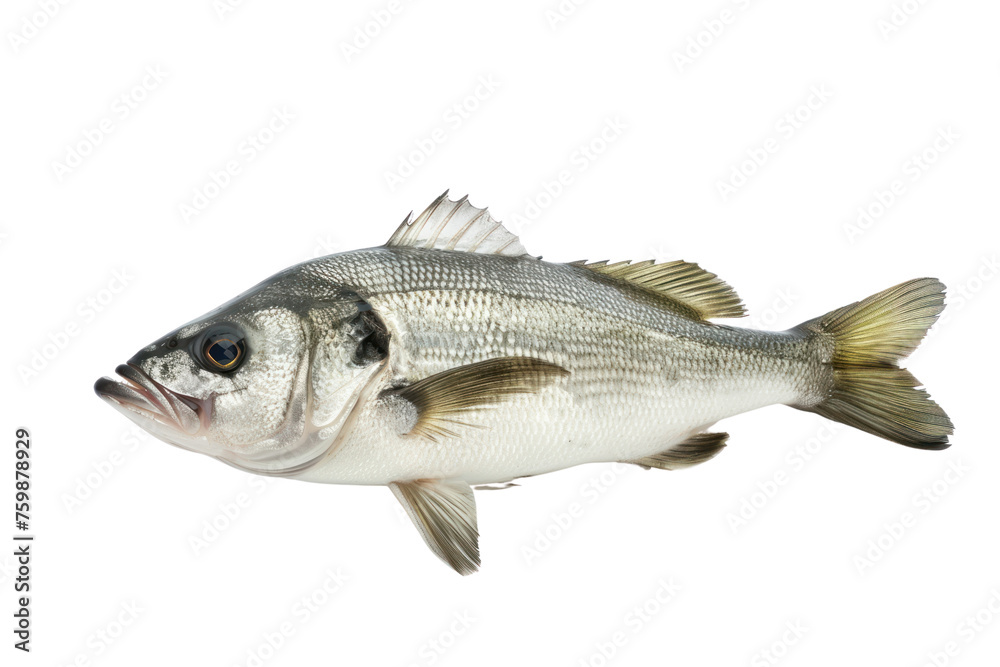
870 391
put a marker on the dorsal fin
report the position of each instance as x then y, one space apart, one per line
697 293
457 225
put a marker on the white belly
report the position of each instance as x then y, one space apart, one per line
534 434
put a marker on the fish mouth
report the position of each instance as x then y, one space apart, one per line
138 394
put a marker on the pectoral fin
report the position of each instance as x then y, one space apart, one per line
440 400
696 449
444 512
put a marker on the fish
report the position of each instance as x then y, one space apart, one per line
450 359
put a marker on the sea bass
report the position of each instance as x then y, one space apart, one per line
450 358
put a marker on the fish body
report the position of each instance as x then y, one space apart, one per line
450 357
640 377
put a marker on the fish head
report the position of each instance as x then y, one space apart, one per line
266 383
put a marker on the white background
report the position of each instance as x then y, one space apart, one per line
115 514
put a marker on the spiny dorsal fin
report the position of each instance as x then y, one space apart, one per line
444 512
696 449
440 400
697 293
457 225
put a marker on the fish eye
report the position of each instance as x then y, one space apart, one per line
221 349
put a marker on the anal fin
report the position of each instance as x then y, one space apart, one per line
444 513
696 449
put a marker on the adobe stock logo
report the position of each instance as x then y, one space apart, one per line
712 29
639 617
787 127
122 107
249 149
911 171
453 118
366 33
922 502
86 312
32 24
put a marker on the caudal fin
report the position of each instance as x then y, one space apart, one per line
870 391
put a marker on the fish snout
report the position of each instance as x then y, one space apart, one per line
138 393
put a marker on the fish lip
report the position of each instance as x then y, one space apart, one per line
138 392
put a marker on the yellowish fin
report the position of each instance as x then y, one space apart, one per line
869 390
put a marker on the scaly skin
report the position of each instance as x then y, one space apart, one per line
642 376
450 357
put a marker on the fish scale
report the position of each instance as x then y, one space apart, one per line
638 382
450 357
